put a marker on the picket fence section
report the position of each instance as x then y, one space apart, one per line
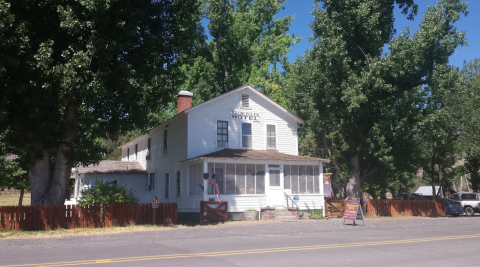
38 218
390 207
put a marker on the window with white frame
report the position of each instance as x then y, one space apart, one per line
222 133
167 185
245 101
246 135
136 151
271 136
149 145
128 154
301 179
151 182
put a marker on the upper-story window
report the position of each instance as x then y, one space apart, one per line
222 134
246 135
136 151
149 145
271 137
245 101
165 142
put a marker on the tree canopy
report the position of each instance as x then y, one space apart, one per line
370 100
75 72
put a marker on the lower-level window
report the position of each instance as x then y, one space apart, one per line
167 184
301 179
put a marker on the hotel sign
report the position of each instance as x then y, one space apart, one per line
243 115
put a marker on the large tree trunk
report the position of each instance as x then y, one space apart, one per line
353 186
432 175
20 198
56 192
46 191
39 175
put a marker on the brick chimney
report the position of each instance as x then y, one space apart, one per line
184 101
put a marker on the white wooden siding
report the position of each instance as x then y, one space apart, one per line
202 125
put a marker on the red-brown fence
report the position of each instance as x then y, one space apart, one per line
28 218
334 207
390 207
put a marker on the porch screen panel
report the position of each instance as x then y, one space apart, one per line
250 179
240 179
316 180
219 176
302 178
195 179
294 179
286 176
217 169
260 178
230 178
310 189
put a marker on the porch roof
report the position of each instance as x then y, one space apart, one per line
264 155
111 166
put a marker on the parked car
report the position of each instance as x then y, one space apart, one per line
469 201
452 207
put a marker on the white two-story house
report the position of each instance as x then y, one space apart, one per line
243 137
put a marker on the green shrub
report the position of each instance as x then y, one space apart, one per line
104 194
315 212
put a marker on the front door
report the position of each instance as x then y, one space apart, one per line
275 193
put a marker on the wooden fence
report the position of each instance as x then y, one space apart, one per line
29 218
334 207
389 207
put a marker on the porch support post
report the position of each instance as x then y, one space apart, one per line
205 181
322 192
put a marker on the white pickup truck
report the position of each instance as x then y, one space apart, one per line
470 202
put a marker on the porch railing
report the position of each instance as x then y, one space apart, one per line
289 199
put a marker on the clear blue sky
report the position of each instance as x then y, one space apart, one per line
301 9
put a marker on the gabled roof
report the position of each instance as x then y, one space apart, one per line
215 99
251 90
111 166
264 155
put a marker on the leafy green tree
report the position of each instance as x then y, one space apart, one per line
469 121
248 44
369 100
75 72
13 176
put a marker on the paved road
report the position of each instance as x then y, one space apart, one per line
381 242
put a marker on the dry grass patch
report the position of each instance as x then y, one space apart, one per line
12 199
112 230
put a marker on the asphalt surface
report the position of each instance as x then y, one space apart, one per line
380 242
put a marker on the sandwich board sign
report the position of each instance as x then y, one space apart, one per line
353 210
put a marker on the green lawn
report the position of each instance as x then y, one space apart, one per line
12 199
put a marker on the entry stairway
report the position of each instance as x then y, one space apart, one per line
279 214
